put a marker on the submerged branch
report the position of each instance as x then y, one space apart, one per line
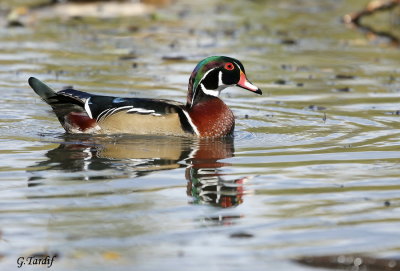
373 7
354 20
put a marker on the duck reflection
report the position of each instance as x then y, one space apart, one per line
138 156
205 182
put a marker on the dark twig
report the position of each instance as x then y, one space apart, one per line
372 7
354 19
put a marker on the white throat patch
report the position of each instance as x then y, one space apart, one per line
213 92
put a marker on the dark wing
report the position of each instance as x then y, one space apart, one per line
97 107
100 107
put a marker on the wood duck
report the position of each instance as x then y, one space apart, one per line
204 115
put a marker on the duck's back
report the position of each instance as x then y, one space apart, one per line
139 116
81 112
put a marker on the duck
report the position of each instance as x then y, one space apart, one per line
204 114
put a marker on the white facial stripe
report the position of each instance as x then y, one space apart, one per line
220 83
237 65
87 108
204 76
191 122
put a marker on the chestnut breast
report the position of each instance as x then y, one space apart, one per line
212 117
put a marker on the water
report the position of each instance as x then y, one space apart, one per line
313 169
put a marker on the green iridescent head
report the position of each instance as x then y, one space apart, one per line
214 74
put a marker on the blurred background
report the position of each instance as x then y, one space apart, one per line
309 182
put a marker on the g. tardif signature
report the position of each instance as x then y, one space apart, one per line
32 260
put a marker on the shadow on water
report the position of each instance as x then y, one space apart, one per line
350 262
138 156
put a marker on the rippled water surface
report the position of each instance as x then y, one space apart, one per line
313 170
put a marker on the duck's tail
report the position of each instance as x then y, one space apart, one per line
41 89
68 105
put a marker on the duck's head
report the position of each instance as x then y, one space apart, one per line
214 74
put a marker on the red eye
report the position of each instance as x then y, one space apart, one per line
229 66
